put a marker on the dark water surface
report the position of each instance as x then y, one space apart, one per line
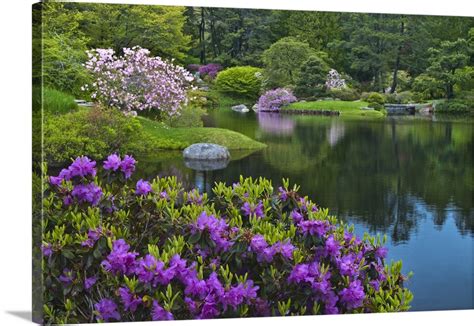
410 178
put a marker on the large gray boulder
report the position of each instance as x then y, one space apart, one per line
242 108
206 157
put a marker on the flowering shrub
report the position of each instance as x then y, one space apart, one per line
113 251
334 80
210 70
136 81
274 99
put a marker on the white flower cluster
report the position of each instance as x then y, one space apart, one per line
334 80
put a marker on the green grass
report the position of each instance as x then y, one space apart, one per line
52 101
346 108
180 138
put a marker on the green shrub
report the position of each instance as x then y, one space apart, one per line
52 101
241 81
364 96
345 94
454 106
390 98
311 78
429 87
190 116
96 131
405 97
376 100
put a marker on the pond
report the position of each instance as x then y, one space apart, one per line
408 177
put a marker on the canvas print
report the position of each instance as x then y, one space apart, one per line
200 162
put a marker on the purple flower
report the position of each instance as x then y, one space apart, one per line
258 243
353 296
348 265
250 209
284 248
214 285
112 162
67 200
282 193
314 227
217 229
65 174
120 260
55 181
274 99
89 282
127 166
92 236
159 313
330 300
299 274
296 216
381 252
106 309
88 193
47 249
332 246
143 188
67 277
210 69
82 167
130 301
209 309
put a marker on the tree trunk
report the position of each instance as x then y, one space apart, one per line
397 62
202 37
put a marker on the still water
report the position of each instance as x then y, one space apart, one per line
408 177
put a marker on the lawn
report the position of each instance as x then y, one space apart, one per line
180 138
346 108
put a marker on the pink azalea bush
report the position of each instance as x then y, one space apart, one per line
274 99
115 249
137 81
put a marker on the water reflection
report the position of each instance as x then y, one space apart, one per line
336 132
275 123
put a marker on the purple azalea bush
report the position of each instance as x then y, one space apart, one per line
136 81
119 250
210 70
274 99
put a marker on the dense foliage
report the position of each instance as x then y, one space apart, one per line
136 81
244 81
429 56
98 131
312 78
284 59
114 251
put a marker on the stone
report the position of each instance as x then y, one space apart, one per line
255 107
206 151
367 108
242 108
